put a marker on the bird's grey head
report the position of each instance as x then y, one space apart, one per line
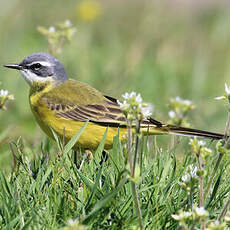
40 68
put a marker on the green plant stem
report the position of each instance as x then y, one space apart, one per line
191 197
227 128
192 226
212 176
130 146
224 210
137 203
219 158
136 147
201 178
132 163
134 186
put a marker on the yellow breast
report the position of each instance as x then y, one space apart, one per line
90 138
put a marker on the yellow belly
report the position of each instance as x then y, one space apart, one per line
89 139
92 135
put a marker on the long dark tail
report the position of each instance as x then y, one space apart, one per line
193 132
160 128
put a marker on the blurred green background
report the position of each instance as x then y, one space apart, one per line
161 49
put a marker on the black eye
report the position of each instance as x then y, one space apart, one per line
36 66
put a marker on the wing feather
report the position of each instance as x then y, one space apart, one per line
108 114
104 114
79 102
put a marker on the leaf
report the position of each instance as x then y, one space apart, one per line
100 147
74 139
216 186
12 224
105 200
44 178
116 151
87 181
94 188
5 185
56 139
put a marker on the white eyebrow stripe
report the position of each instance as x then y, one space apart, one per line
43 63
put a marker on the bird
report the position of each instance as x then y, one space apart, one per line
64 105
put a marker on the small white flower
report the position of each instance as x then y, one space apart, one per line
133 94
146 112
186 178
138 99
193 171
201 211
124 106
187 214
68 23
178 98
191 140
220 98
133 106
4 93
216 223
126 96
182 216
52 29
172 114
71 221
187 102
201 143
190 174
227 89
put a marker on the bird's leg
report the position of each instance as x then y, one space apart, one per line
80 156
75 158
104 157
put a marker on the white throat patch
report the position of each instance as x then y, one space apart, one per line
31 77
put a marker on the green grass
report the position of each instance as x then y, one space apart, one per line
57 184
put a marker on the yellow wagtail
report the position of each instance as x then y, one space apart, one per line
65 105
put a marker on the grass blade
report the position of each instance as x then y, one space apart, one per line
100 147
74 139
104 201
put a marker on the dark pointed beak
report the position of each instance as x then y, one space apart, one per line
13 66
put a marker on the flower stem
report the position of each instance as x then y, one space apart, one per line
219 157
201 178
200 166
212 176
227 128
130 146
136 147
133 184
226 138
224 210
137 203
